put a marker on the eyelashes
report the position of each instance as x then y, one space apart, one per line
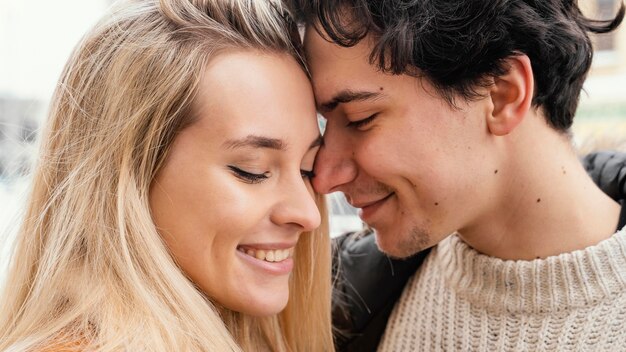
253 178
307 174
248 177
362 123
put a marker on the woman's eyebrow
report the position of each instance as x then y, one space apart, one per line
253 141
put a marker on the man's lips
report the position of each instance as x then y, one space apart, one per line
368 209
365 204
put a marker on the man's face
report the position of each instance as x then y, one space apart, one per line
413 164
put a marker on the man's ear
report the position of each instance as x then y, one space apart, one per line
511 95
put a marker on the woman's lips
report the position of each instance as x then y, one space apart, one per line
273 261
267 253
368 210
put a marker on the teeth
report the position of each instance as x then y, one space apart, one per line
273 256
260 254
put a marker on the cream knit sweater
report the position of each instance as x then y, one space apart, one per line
461 300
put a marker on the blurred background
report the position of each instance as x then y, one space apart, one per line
37 37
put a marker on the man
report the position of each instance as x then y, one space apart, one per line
453 117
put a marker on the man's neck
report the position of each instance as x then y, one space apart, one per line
547 204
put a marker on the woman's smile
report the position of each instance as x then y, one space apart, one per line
270 261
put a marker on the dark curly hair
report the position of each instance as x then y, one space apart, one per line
458 45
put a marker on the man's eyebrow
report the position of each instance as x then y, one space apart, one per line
346 96
253 141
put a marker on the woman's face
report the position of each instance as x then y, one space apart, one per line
234 195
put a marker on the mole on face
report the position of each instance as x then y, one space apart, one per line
538 200
495 171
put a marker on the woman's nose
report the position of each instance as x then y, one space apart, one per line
297 207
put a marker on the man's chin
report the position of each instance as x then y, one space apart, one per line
401 245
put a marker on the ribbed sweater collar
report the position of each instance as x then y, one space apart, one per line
567 281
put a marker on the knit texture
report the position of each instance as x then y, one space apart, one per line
461 300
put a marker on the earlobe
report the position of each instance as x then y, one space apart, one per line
511 95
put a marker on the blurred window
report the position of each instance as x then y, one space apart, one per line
605 10
29 131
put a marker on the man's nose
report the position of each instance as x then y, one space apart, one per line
334 164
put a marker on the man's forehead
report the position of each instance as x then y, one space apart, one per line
319 45
338 72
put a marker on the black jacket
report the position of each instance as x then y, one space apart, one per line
368 283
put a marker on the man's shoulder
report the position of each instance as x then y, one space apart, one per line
367 285
608 171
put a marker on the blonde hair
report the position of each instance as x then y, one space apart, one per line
89 269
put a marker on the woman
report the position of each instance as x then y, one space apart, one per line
171 208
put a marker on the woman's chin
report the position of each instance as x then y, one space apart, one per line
256 300
265 306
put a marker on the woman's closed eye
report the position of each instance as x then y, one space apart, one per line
248 177
251 177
